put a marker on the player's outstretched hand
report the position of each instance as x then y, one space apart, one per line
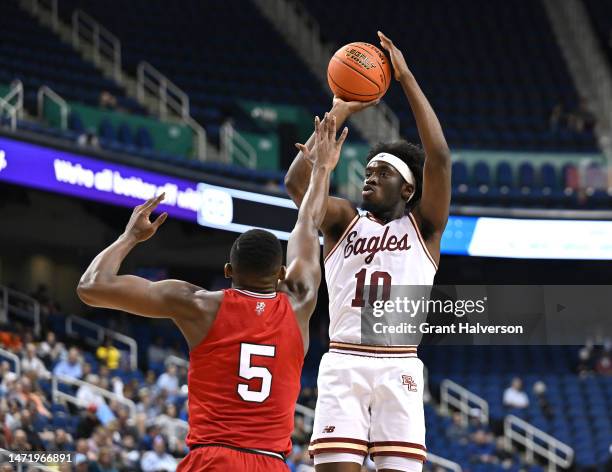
140 228
326 150
400 68
348 108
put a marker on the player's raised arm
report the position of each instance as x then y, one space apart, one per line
303 250
100 286
339 211
435 200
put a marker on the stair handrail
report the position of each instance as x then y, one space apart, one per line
444 463
33 313
14 358
47 92
14 110
44 9
57 394
177 361
459 397
170 96
101 332
233 145
201 146
105 44
526 436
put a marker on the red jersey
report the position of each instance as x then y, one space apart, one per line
244 377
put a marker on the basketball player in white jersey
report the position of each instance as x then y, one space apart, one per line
371 396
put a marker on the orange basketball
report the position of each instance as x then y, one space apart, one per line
359 71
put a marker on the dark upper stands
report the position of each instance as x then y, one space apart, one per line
36 56
600 12
216 51
492 69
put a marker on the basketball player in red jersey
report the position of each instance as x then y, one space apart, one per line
247 343
370 397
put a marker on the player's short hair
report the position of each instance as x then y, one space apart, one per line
412 155
256 252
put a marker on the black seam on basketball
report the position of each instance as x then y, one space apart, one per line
377 60
365 77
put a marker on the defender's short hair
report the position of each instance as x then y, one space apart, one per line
412 155
256 252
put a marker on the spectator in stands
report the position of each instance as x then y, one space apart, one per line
157 352
10 341
51 350
31 363
7 376
70 367
109 354
482 448
26 392
504 457
585 362
514 396
604 365
158 459
27 427
457 431
107 100
62 441
130 456
88 422
168 381
539 390
88 139
299 435
87 394
582 119
20 441
105 462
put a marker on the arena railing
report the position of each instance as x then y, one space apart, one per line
444 463
99 333
13 358
105 45
12 103
454 395
537 442
234 146
23 465
18 304
45 92
177 361
58 395
167 100
151 82
46 10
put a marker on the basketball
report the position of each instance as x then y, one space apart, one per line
359 71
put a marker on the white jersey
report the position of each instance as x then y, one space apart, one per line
370 253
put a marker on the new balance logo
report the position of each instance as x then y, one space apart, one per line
260 307
408 382
329 429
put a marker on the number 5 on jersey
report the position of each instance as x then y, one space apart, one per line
249 372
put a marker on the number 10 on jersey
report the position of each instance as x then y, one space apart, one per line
375 280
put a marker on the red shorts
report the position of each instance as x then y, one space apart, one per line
224 459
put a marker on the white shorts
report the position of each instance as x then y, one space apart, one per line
369 403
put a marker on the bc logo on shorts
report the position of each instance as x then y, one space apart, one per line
410 383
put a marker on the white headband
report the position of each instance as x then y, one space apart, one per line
397 164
